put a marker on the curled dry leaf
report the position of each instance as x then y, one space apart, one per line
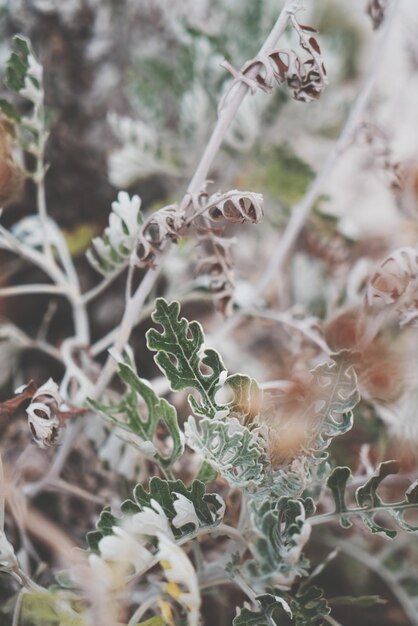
395 282
42 413
9 407
157 230
47 413
376 10
306 78
235 206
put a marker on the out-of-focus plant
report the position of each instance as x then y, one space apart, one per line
265 443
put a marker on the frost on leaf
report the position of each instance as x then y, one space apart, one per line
232 448
111 251
370 503
184 360
144 415
283 532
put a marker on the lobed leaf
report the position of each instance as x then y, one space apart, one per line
181 356
186 508
304 609
112 251
230 447
369 502
283 532
337 395
145 425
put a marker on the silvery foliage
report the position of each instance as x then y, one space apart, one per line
231 439
112 251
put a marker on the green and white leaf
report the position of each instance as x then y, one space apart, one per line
233 449
269 604
283 532
369 502
304 609
168 505
144 423
111 252
185 361
336 381
24 76
247 397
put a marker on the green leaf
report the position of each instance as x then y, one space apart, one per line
268 604
207 473
104 526
184 360
9 110
203 509
337 482
369 502
48 609
283 532
306 609
309 607
231 447
145 424
18 64
157 620
208 506
247 397
367 497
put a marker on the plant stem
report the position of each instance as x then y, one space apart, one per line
23 290
302 210
329 517
133 306
239 91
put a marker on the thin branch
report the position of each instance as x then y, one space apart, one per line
2 496
141 610
23 290
95 291
286 320
375 565
133 306
239 90
302 210
329 517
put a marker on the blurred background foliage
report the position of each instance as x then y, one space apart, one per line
133 88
